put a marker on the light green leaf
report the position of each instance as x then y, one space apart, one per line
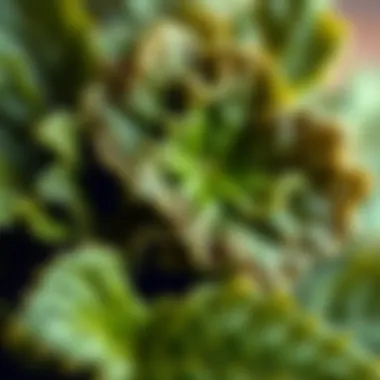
58 133
344 292
303 37
84 311
356 105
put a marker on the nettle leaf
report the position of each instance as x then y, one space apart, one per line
125 131
34 214
234 332
56 186
303 37
322 43
195 154
135 12
21 96
356 103
10 17
60 37
63 15
17 162
345 293
83 311
8 206
27 192
58 133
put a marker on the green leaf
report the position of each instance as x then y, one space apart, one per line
39 222
235 330
344 292
356 104
60 36
66 16
124 130
190 133
8 206
303 37
83 310
21 96
323 43
57 186
58 133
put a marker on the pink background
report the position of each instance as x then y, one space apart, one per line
363 47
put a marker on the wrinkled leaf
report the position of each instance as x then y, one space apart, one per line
233 329
345 293
83 310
